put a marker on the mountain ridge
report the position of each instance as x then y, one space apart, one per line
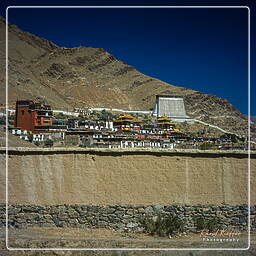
92 77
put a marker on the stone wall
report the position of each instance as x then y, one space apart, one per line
126 177
123 218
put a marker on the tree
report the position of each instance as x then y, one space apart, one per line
37 143
230 136
11 117
60 116
233 138
105 115
206 146
30 137
48 143
2 120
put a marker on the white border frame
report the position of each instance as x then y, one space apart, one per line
132 249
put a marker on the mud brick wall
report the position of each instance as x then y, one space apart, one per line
57 176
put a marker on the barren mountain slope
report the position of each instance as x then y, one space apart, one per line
85 76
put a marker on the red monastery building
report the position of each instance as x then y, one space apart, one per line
31 116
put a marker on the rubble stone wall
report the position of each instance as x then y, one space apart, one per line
123 218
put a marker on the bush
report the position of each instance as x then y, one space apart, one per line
174 224
162 226
60 116
211 224
37 143
232 137
2 120
59 122
11 117
206 146
105 115
48 143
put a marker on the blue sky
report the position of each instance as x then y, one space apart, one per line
201 49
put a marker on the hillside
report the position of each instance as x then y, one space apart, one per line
85 76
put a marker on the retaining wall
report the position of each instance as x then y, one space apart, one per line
126 177
124 218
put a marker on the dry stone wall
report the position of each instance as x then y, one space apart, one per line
124 218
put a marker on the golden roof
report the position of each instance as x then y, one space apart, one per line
126 116
170 123
164 118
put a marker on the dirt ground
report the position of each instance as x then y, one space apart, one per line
99 238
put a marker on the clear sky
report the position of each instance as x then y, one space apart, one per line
201 49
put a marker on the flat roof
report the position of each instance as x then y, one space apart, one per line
168 96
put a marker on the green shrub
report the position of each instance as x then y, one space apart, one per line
163 225
60 116
11 117
105 115
199 223
232 137
48 143
2 120
37 143
206 145
174 224
148 224
59 121
210 224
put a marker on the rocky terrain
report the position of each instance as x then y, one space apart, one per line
85 76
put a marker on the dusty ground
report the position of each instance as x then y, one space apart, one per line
77 238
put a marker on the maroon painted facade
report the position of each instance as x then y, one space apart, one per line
33 117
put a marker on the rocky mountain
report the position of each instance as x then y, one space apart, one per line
85 76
